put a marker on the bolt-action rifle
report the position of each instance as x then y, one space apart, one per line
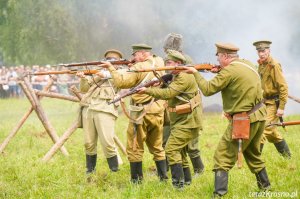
164 79
96 63
289 123
200 67
86 72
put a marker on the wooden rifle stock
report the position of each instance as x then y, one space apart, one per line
95 63
290 123
200 67
86 72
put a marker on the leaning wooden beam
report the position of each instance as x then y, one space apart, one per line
41 114
294 98
22 121
120 145
75 91
60 142
56 95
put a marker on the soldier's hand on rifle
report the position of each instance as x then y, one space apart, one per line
105 64
80 74
280 112
141 90
215 69
189 70
100 74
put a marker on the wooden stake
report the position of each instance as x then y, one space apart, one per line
22 121
41 114
56 95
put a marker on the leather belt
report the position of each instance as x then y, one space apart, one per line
172 110
275 97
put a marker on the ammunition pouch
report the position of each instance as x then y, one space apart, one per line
80 125
241 126
187 107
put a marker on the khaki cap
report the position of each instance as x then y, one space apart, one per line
262 45
175 56
113 53
139 47
226 48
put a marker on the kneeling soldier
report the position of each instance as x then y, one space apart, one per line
184 105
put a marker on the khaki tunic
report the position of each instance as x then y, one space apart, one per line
273 83
150 131
184 127
98 118
241 90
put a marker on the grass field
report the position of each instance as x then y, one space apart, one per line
24 175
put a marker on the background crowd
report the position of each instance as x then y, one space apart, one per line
10 76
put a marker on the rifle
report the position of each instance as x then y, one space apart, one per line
200 67
165 79
86 72
95 63
290 123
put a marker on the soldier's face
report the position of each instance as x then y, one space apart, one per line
263 54
221 59
138 56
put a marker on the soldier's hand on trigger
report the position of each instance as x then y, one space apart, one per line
141 90
215 69
280 112
105 64
100 74
80 74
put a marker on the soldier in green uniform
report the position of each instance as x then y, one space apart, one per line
183 93
173 41
275 93
241 91
146 115
98 118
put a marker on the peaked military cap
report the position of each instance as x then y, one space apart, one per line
112 52
175 56
226 48
138 47
173 41
261 45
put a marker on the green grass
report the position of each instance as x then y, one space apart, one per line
24 175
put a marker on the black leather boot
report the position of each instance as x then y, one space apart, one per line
177 176
187 176
263 180
283 149
197 164
91 161
136 170
113 163
161 169
221 183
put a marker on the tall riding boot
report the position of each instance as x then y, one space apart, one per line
221 183
136 170
283 149
261 147
161 169
90 163
263 180
198 165
187 176
177 176
113 163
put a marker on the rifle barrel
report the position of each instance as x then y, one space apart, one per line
86 72
95 63
196 66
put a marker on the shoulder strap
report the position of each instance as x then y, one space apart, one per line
251 68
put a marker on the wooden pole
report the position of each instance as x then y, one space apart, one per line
56 95
41 114
60 142
294 98
75 91
22 121
120 145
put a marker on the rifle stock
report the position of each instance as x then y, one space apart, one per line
200 67
165 78
289 123
86 72
95 63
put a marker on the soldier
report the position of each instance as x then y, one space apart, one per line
241 91
275 93
173 41
98 118
185 126
146 115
